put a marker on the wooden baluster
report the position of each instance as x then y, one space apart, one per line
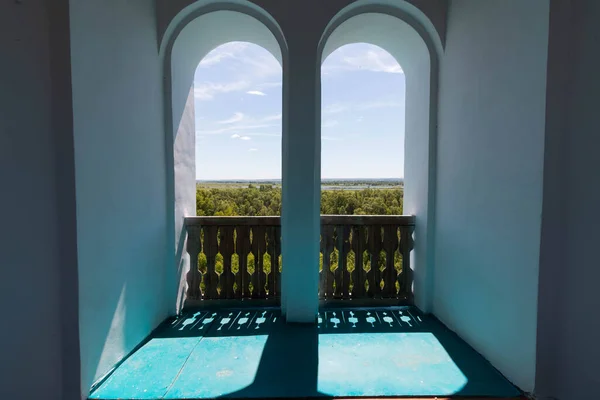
242 248
275 264
270 275
193 277
226 248
322 275
327 277
211 278
390 275
359 242
374 246
406 246
274 250
259 246
342 276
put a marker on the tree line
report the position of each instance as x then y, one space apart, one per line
265 200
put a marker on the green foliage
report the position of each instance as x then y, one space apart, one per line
362 202
252 201
266 200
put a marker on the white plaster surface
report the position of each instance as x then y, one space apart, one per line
120 178
489 169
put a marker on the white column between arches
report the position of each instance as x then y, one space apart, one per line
301 185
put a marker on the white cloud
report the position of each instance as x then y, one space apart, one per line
335 108
245 137
237 117
233 127
235 136
228 50
213 59
208 90
329 123
269 85
363 58
242 122
253 149
253 59
379 104
256 93
265 134
260 64
376 61
330 138
254 71
276 117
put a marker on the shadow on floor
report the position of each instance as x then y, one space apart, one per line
348 353
289 365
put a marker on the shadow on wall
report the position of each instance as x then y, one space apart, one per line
182 267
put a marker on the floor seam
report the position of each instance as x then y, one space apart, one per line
181 369
186 360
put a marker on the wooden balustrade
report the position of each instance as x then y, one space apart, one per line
230 255
239 257
366 257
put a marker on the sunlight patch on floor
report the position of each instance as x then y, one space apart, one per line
255 354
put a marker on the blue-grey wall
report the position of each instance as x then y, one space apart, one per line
38 279
121 179
29 298
568 324
490 170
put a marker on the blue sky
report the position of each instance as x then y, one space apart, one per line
237 90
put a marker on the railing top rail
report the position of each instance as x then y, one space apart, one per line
233 221
401 220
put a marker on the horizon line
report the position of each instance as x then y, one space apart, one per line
279 179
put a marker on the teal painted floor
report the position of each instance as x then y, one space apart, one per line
254 354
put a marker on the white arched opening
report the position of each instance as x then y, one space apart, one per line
196 31
403 32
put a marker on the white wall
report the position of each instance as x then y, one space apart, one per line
121 179
30 362
489 192
568 326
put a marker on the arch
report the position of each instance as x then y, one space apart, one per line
190 36
411 38
400 9
203 7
